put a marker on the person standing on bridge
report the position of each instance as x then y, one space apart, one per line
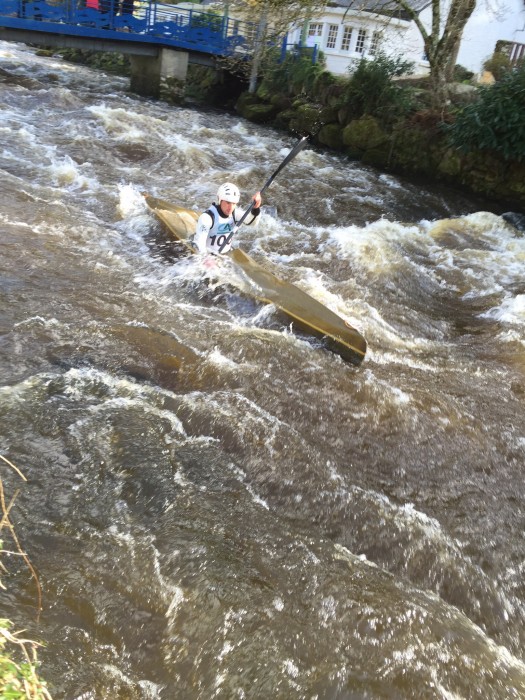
216 223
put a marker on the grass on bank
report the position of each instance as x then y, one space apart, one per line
19 679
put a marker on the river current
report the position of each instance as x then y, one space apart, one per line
217 506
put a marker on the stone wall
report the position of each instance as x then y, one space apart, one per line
417 146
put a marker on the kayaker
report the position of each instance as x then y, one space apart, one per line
217 222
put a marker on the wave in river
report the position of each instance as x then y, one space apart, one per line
217 505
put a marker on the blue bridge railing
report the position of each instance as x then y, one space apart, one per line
127 20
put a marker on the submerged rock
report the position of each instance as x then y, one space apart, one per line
516 219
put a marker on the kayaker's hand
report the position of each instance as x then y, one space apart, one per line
257 200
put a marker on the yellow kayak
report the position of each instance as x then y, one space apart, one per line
305 311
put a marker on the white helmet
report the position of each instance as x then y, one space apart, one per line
228 193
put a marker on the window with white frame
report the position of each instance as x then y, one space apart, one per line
315 29
374 44
331 39
347 38
360 43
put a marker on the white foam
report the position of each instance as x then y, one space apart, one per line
39 321
511 310
66 173
389 393
131 201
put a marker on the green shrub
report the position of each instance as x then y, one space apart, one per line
498 64
462 74
295 75
18 679
328 87
372 90
212 20
495 122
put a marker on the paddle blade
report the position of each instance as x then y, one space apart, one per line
295 150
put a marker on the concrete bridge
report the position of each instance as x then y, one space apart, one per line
160 39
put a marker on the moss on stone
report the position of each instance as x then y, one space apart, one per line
173 90
364 134
450 163
258 113
282 102
307 119
331 135
283 119
244 100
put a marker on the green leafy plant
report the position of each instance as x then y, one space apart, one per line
372 90
498 64
19 679
462 74
296 74
211 20
495 122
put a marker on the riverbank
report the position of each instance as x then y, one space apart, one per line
19 675
417 146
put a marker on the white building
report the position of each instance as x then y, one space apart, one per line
346 34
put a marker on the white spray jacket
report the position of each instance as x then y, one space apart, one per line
213 229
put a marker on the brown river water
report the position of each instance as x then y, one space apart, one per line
217 506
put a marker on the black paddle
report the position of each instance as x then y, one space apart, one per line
295 150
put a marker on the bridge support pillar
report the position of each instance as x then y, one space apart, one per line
162 75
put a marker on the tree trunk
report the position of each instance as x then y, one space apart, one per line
451 63
439 82
442 42
258 50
